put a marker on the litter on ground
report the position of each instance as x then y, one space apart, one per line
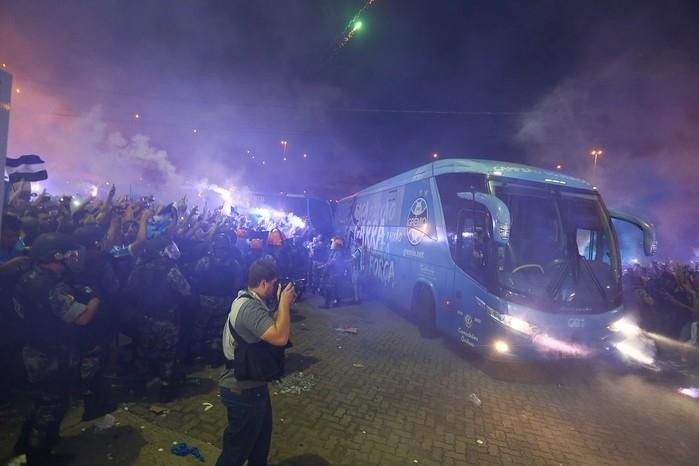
181 449
105 422
295 384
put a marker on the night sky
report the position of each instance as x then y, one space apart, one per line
539 82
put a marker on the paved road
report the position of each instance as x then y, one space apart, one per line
388 397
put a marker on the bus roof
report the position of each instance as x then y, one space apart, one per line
482 166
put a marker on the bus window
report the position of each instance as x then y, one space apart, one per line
471 243
590 243
321 216
449 185
562 250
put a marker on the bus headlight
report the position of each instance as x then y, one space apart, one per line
515 323
626 327
519 325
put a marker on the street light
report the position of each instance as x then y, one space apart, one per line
596 153
435 155
559 167
284 144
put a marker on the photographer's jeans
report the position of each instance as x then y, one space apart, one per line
249 430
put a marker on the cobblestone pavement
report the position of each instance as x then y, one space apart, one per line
409 404
386 396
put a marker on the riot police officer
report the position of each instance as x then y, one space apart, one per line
52 313
95 277
159 291
217 277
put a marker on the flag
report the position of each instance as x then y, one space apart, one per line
26 167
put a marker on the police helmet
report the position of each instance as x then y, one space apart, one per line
161 245
88 235
221 241
52 247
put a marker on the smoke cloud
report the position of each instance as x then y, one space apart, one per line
214 97
642 111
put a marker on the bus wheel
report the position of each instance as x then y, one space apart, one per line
424 310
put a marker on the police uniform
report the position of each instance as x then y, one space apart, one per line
96 278
49 308
218 279
332 272
319 255
158 289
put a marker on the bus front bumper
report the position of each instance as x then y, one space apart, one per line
631 346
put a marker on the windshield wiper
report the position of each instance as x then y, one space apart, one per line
555 287
557 283
595 280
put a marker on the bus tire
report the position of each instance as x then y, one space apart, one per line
424 310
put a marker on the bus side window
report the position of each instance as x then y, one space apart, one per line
449 185
472 243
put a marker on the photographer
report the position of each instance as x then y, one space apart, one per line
253 344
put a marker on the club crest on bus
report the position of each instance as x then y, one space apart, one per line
417 221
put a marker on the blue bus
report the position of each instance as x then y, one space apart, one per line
512 260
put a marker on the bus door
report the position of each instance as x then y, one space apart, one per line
469 245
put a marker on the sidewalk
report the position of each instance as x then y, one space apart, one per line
132 441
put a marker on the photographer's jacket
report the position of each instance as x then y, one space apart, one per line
251 318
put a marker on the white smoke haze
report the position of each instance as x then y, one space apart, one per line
643 113
78 103
85 149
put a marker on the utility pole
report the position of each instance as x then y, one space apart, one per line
5 97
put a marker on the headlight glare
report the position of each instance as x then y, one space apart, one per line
625 327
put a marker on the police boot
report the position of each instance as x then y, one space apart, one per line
44 457
166 393
96 407
216 358
139 386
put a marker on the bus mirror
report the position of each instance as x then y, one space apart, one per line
498 212
650 244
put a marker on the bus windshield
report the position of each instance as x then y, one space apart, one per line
562 253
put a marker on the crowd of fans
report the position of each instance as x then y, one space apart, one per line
666 298
163 275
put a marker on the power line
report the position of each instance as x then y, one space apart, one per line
195 129
277 106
